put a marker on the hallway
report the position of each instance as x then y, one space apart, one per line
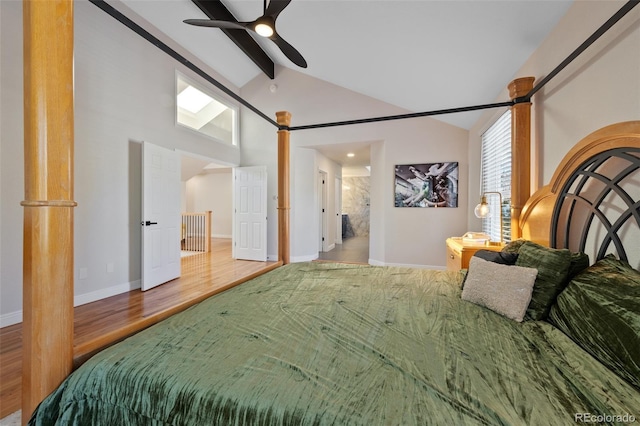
352 250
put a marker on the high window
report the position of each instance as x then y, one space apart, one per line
200 110
496 177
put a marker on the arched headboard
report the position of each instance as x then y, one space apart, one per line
592 202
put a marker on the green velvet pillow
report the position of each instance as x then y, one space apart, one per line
553 273
579 261
600 310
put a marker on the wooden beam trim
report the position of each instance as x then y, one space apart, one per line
48 203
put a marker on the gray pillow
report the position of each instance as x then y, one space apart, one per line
504 289
505 258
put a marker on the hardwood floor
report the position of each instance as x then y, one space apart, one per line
104 322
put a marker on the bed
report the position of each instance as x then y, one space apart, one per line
324 343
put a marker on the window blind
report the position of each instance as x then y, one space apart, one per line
496 176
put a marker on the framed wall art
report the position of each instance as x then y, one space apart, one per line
426 185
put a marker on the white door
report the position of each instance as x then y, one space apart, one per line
160 215
250 213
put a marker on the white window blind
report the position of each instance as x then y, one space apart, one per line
496 176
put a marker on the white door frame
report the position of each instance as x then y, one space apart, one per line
338 209
322 211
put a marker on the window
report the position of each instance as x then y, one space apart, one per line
200 110
496 177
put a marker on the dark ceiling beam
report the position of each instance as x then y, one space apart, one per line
214 9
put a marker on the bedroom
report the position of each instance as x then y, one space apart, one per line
599 89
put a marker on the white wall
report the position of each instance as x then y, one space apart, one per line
12 160
599 88
398 236
1 50
303 197
124 94
213 190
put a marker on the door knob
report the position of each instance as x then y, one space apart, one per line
148 222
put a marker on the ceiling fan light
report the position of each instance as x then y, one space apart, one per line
264 30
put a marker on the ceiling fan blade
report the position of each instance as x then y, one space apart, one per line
289 51
216 23
275 7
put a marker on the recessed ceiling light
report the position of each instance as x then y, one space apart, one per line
351 154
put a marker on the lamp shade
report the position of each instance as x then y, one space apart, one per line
482 210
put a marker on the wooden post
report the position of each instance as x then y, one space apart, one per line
284 119
520 151
207 231
48 206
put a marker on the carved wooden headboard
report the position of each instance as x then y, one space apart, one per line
592 202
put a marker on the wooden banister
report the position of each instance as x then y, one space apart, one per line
196 231
207 231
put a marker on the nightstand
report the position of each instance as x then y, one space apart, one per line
459 254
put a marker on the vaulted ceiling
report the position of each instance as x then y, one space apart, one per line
420 55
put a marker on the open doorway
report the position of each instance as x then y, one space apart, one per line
355 216
207 186
351 189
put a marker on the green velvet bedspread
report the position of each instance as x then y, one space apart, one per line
331 344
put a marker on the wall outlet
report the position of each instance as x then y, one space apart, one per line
83 273
110 267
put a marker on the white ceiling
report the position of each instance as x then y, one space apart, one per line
421 55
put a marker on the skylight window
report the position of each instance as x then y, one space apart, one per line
193 100
202 111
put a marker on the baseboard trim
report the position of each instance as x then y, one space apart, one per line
309 258
228 237
10 319
81 299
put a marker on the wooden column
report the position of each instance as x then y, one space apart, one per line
520 151
48 206
284 119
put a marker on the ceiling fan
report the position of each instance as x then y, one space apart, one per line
264 26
